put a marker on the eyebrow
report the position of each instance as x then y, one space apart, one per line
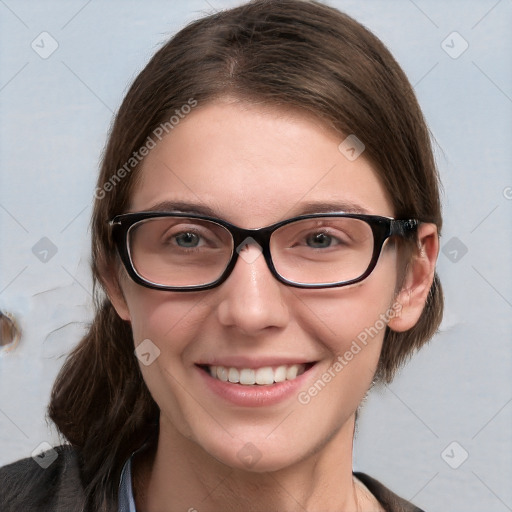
182 207
299 209
328 207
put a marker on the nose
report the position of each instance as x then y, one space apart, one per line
251 299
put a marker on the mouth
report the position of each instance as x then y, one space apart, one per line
264 376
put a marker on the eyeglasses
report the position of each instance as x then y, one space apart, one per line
188 252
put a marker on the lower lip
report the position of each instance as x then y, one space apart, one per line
255 395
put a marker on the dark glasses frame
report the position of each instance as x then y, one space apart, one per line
382 229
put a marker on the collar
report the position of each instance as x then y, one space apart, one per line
126 501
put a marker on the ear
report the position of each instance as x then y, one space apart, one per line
115 293
418 279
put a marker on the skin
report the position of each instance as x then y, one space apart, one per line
254 166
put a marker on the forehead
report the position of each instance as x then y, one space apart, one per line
255 165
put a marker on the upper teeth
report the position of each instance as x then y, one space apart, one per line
263 376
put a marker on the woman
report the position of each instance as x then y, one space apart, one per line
265 231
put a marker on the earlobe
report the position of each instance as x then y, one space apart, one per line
418 279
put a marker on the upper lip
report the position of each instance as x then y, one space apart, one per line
251 362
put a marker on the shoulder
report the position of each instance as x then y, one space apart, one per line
29 486
389 500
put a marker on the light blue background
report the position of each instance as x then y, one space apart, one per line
55 114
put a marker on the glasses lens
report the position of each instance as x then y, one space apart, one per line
179 251
323 250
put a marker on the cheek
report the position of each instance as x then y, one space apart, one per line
163 316
350 324
360 313
172 322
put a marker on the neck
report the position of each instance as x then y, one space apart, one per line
180 476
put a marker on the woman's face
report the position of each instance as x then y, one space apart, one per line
254 166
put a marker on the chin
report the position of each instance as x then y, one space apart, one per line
260 455
252 460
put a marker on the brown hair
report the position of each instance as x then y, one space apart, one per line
287 53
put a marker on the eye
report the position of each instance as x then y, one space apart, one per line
321 240
187 240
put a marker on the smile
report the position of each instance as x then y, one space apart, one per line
263 376
251 383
